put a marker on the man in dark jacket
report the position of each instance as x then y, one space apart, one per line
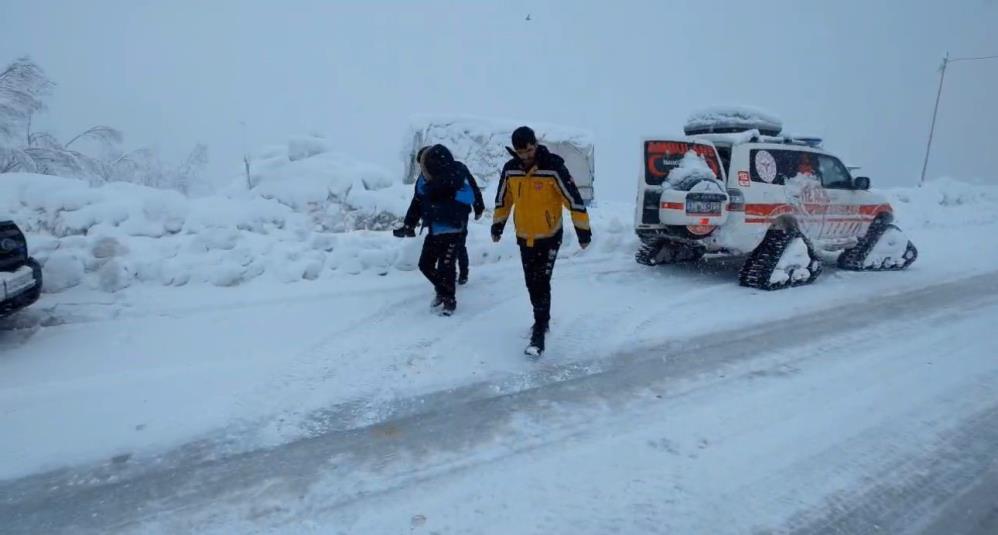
537 182
442 201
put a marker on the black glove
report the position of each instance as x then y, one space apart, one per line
404 232
497 231
585 236
478 213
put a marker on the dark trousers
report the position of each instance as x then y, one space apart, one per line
538 265
437 262
462 254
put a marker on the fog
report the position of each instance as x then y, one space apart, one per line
237 75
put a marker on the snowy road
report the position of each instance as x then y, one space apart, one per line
837 420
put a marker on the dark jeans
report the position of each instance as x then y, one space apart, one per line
538 265
462 254
437 262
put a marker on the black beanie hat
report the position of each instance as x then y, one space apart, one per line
522 137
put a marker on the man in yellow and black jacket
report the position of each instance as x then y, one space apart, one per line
537 183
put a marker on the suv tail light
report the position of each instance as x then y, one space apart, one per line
649 208
736 200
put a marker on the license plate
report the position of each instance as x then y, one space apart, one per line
17 282
703 207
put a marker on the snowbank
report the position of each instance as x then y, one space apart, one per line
944 203
336 191
116 235
325 222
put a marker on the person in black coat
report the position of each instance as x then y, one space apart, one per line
442 200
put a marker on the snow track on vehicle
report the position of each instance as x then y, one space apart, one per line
884 248
425 437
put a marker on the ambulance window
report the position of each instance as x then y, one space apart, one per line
725 154
776 166
834 175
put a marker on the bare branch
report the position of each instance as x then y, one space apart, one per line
104 135
44 140
54 162
14 160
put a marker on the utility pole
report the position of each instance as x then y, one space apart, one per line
246 158
935 111
942 76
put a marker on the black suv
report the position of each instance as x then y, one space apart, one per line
20 275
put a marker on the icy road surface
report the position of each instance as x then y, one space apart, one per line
878 415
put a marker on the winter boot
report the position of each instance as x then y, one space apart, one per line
529 332
437 301
536 347
449 305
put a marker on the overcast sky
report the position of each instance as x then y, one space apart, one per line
863 74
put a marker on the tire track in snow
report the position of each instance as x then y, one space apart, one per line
331 356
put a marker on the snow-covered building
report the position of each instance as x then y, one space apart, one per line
481 142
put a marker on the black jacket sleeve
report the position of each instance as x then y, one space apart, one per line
479 205
415 211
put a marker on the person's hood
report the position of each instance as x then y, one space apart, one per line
438 160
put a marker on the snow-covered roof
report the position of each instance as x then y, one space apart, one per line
499 129
750 136
480 142
733 119
729 139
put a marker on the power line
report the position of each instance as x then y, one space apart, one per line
935 111
951 60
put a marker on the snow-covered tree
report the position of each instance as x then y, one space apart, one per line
189 172
23 84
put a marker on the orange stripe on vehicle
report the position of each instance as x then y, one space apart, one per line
673 206
767 209
864 209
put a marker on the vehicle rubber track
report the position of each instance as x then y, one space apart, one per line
854 259
651 253
758 269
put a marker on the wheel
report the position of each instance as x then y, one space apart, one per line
785 258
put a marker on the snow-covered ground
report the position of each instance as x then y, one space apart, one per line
844 429
183 351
